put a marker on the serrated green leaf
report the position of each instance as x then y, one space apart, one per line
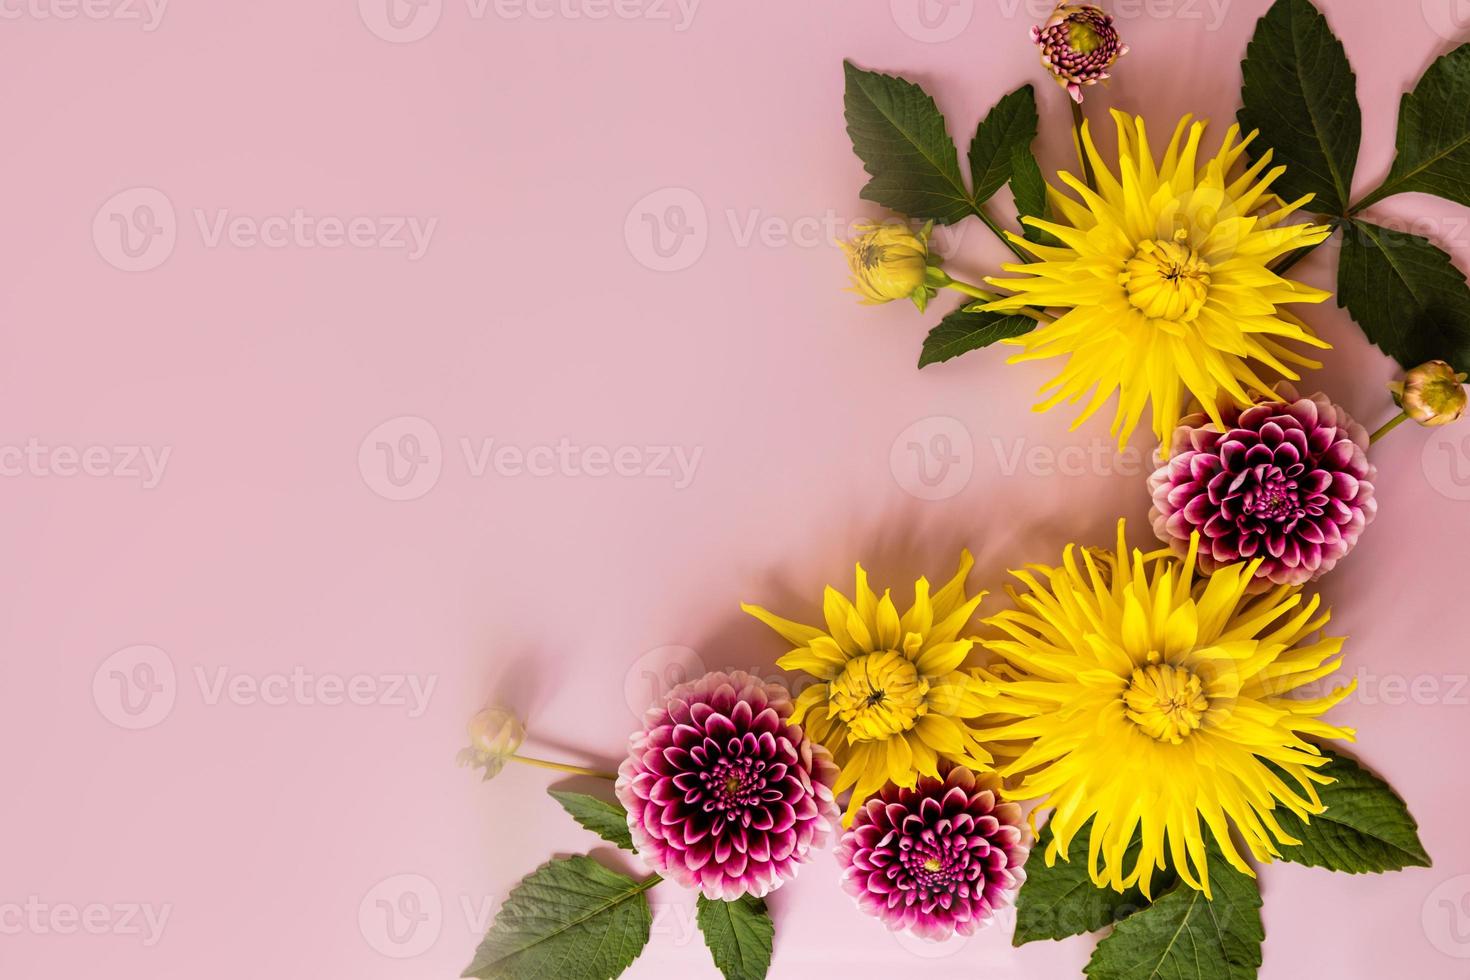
607 820
1029 187
1011 123
1367 829
1184 937
900 135
964 330
1300 92
1434 134
1406 294
570 919
739 935
1062 901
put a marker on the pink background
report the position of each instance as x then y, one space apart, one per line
271 825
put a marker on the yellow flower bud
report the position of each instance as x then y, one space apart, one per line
1431 394
889 262
495 735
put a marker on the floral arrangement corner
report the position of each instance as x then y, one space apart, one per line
1164 713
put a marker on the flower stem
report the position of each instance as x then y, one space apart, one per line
1088 176
1000 233
563 767
1388 427
989 297
648 883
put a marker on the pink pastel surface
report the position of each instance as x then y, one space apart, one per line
296 811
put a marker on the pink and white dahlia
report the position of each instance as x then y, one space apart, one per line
723 794
1286 481
937 859
1079 44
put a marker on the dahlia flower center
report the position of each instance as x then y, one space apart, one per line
869 255
734 785
1082 37
1167 702
879 695
1275 499
933 865
1166 280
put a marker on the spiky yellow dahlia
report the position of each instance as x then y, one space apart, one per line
1151 702
892 697
1163 274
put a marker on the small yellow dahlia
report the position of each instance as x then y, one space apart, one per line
1149 701
888 261
892 698
1163 273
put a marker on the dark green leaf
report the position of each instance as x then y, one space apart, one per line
1184 937
1406 294
1029 187
1300 92
739 936
963 331
899 134
570 919
1010 124
1434 133
1366 828
1062 901
607 820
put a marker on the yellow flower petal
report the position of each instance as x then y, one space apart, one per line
1145 704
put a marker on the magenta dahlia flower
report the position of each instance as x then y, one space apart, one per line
1288 482
937 859
723 794
1078 45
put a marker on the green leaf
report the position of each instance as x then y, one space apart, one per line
899 134
570 919
1029 187
738 935
1406 294
607 820
1062 900
1366 829
1434 134
1300 92
1184 937
964 331
1010 124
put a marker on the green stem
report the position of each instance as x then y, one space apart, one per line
648 883
989 297
563 767
999 233
1372 198
1388 427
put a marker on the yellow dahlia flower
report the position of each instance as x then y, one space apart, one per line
1148 701
888 262
1163 275
892 699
